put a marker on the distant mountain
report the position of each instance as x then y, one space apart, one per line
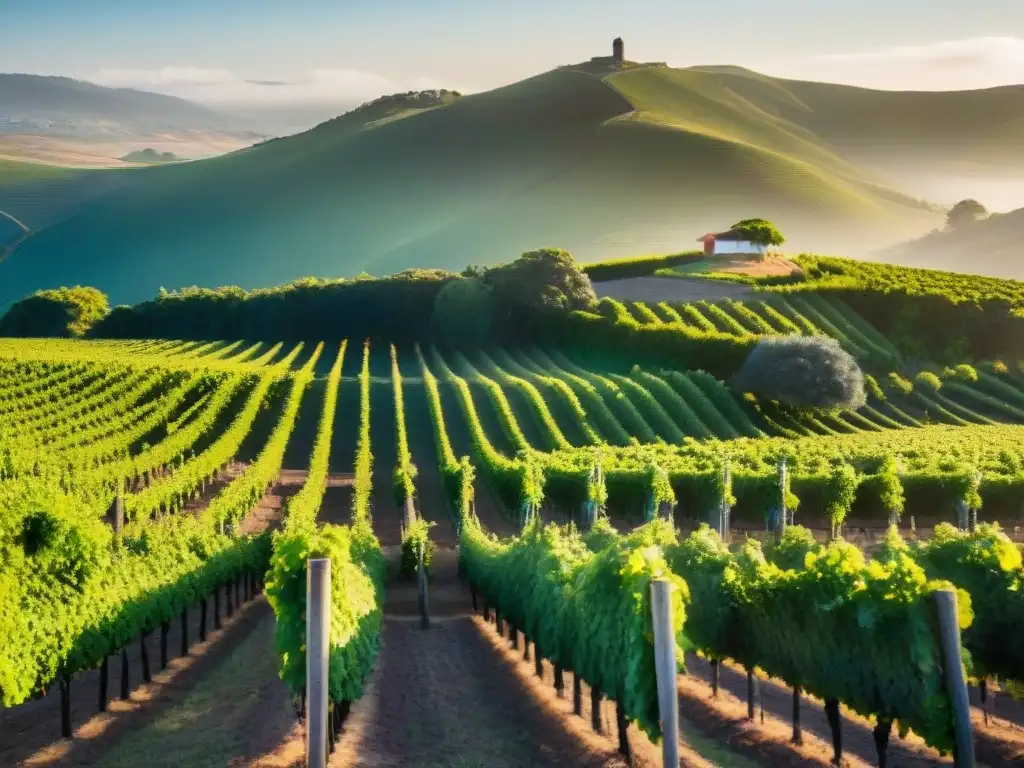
61 105
645 159
996 241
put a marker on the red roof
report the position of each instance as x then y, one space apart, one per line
728 235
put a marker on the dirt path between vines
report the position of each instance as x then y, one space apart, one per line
449 697
998 744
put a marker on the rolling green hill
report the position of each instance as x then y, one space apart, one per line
40 195
641 160
959 128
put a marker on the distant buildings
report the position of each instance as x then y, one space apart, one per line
616 61
618 56
732 243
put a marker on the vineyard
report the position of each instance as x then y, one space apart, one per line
131 473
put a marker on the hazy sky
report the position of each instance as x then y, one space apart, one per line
274 51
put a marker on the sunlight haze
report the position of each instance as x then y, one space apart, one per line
262 53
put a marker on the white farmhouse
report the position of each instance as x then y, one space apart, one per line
732 243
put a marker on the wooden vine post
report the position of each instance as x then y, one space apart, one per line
104 682
724 512
956 685
410 513
421 575
798 734
65 706
117 514
783 512
318 623
665 665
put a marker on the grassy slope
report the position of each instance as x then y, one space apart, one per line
39 195
336 200
558 159
981 128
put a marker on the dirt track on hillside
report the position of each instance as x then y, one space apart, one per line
655 289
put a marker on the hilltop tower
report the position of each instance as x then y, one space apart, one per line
617 50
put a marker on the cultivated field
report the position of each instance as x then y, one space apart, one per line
232 461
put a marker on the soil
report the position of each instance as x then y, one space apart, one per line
672 289
769 266
31 731
448 696
1000 743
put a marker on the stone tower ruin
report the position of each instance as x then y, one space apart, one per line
617 50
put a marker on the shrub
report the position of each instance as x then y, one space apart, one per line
397 308
873 388
900 384
417 535
61 312
963 371
929 381
803 372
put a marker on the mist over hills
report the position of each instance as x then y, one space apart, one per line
36 103
995 240
646 159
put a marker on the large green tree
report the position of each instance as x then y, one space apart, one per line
759 231
59 312
537 284
541 280
965 212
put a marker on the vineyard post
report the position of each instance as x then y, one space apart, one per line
65 706
956 686
750 693
118 514
410 513
665 666
421 573
104 681
723 523
798 735
318 622
782 497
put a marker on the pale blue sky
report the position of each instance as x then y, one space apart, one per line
208 49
